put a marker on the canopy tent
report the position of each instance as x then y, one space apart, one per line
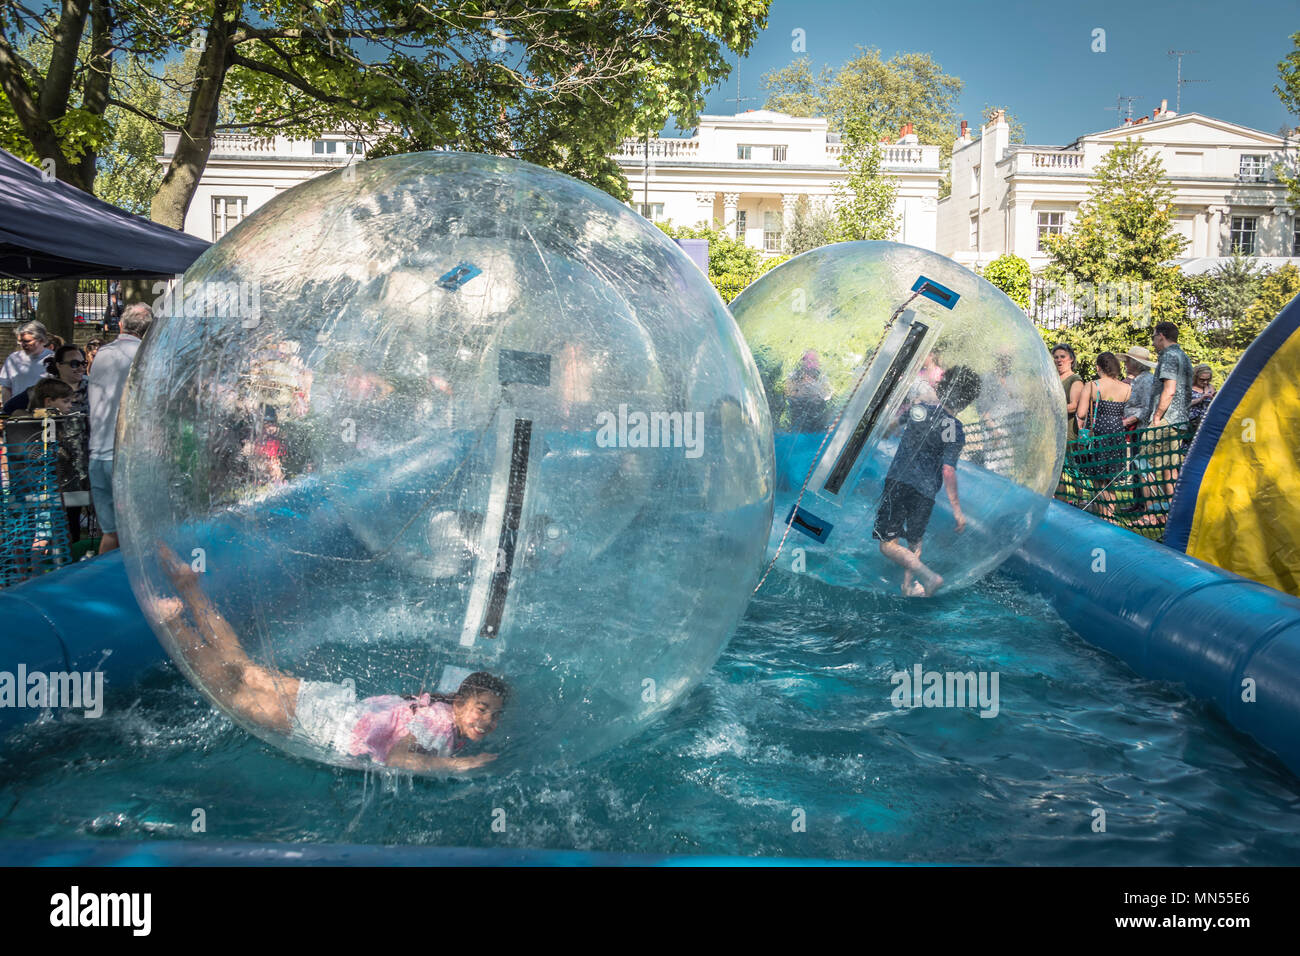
52 230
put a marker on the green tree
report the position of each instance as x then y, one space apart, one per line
1120 240
1288 91
560 86
1012 275
1275 290
1219 300
795 90
870 92
865 199
1125 226
732 264
811 227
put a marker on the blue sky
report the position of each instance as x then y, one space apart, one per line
1036 58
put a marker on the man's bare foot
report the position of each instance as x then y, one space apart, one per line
914 589
932 583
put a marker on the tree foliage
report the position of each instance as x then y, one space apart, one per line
865 199
1218 300
796 90
732 264
1288 91
1122 236
1012 275
129 172
870 92
1275 290
811 227
560 86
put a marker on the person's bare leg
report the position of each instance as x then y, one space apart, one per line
263 695
108 542
911 587
908 560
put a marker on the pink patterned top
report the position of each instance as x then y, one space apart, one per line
386 720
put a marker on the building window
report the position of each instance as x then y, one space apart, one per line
779 153
355 147
227 211
741 217
1295 238
322 146
1243 234
1253 166
654 211
744 152
773 223
975 180
1049 224
974 232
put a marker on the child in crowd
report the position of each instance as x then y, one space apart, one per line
53 395
926 459
406 733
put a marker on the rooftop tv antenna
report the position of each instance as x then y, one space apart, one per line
739 98
1124 106
1178 99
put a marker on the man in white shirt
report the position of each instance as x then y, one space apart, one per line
107 383
25 367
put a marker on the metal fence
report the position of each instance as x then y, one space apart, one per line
19 299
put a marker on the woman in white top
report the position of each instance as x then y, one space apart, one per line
25 367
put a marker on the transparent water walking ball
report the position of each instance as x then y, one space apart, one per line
441 414
955 391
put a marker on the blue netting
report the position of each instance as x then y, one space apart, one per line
33 525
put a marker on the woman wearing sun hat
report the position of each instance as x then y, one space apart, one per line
1138 364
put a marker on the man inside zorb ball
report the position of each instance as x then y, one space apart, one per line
916 417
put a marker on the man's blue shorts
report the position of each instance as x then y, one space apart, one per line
904 512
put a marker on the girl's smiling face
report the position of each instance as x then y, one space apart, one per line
477 716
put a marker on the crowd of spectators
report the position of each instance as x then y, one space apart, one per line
1132 421
81 390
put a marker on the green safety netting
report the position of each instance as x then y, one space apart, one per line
1126 478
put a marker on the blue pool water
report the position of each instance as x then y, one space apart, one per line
795 723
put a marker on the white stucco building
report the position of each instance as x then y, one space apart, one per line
747 171
245 172
1006 198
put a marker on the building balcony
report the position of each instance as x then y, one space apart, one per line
1037 161
634 150
252 147
898 157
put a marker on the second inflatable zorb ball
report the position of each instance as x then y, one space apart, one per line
864 349
440 414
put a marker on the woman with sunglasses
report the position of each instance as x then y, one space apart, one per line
68 365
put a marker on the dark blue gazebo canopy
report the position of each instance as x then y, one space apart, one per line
52 230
